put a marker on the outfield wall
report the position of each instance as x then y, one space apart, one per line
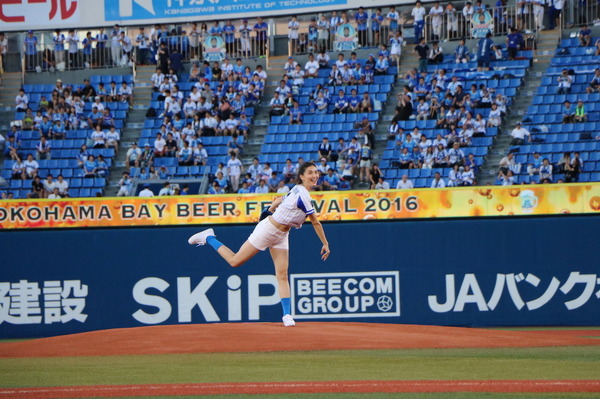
461 272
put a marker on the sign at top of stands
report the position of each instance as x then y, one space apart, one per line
330 206
143 10
39 14
20 15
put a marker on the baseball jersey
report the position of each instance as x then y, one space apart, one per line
294 208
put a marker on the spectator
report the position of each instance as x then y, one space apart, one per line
293 27
514 41
277 107
580 116
331 180
484 52
235 168
340 103
62 185
43 149
507 163
22 101
262 187
437 181
261 36
98 137
422 49
289 171
451 20
365 162
126 94
200 155
595 82
324 150
134 156
37 188
455 155
18 171
73 42
165 190
170 146
160 146
382 65
535 165
507 179
125 185
585 36
597 45
564 163
564 82
418 13
30 43
273 182
3 49
461 54
146 192
546 171
245 47
375 174
89 167
396 42
255 170
322 31
101 166
112 139
568 112
436 54
311 68
518 135
393 17
467 176
31 167
185 156
404 183
455 176
406 160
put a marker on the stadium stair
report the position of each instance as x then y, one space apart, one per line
546 46
261 119
408 61
135 121
11 83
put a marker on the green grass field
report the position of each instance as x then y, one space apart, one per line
416 364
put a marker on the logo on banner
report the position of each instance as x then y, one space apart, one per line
126 7
346 38
38 12
214 48
482 24
345 295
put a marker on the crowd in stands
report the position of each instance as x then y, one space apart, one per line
53 119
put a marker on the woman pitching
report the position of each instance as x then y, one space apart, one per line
272 232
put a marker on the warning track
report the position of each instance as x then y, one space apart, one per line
106 391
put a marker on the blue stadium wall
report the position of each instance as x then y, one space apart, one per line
468 272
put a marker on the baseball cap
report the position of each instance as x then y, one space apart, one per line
134 143
58 81
29 31
147 145
323 159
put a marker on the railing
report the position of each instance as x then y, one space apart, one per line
46 57
498 21
575 14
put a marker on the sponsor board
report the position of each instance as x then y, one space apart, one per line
345 295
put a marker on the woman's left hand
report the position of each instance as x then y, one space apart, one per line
325 252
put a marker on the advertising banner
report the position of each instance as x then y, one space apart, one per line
346 38
463 272
214 48
482 23
330 206
36 14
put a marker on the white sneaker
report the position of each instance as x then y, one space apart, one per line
288 321
200 238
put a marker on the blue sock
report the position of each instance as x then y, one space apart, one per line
213 242
286 305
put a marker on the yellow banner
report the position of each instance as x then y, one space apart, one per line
331 206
